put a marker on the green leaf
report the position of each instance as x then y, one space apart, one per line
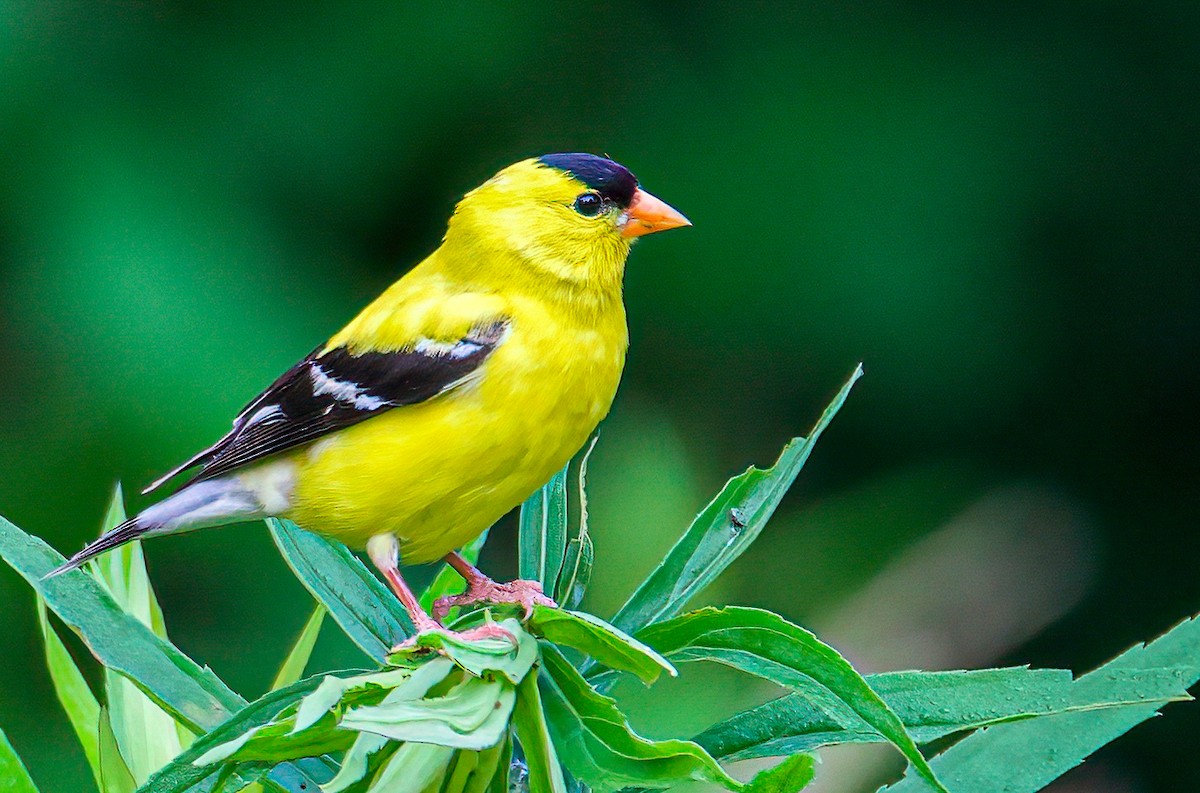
147 735
356 599
73 692
116 776
598 747
792 775
487 765
448 581
356 763
472 715
193 695
478 655
398 683
767 645
600 641
181 774
722 531
412 769
1025 756
435 700
123 571
932 705
543 532
504 761
14 778
529 724
580 554
577 570
293 666
312 727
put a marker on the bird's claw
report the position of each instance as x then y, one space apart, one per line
526 594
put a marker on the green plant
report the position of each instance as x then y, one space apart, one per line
443 715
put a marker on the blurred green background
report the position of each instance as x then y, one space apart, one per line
995 206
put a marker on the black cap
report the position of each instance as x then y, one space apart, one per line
612 181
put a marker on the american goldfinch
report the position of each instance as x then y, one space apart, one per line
449 399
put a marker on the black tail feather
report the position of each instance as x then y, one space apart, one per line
129 530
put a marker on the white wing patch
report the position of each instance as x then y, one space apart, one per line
349 393
427 346
264 414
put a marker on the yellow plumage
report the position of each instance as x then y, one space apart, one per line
438 473
452 396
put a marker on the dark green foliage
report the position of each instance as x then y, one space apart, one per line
453 716
766 645
190 693
931 705
13 776
354 597
1028 755
723 530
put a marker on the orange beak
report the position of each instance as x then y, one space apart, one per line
647 214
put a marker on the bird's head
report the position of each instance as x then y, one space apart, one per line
568 217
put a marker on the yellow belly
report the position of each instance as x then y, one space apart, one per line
438 473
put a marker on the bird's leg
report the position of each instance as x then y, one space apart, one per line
481 589
384 551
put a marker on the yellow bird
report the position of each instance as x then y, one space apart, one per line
449 399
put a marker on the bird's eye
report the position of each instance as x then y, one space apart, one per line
589 204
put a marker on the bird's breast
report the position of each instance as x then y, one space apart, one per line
439 472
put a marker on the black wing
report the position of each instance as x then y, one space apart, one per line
328 391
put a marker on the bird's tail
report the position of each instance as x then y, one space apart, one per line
129 530
201 504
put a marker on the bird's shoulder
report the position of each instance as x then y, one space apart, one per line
416 312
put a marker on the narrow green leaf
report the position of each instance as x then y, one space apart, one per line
181 775
543 532
414 768
293 666
529 724
73 692
723 530
123 571
276 743
577 571
115 773
767 645
191 694
580 554
448 581
460 770
1025 756
504 761
147 735
487 765
932 705
356 763
14 778
356 599
600 641
792 775
598 747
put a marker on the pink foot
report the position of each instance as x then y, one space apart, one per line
526 594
